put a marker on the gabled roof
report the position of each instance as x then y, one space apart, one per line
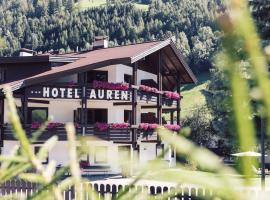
128 54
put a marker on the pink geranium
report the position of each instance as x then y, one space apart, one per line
147 126
173 127
119 125
146 88
172 95
35 125
53 125
110 86
102 126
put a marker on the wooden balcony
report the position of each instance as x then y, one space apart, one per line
115 135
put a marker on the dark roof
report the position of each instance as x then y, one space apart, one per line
103 57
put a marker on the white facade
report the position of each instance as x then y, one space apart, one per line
63 111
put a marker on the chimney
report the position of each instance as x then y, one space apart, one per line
26 52
101 42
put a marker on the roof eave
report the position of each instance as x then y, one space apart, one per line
185 65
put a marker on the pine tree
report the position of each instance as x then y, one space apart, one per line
261 13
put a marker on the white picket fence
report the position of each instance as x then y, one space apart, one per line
22 189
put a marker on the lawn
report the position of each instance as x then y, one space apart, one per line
85 4
192 95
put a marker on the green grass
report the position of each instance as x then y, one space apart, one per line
85 4
193 97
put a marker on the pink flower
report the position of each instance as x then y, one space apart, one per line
146 88
119 125
172 95
35 125
110 86
147 126
173 127
102 126
153 126
53 125
144 126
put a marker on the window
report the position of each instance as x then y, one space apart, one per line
101 155
127 116
97 75
149 117
37 115
2 75
36 150
128 78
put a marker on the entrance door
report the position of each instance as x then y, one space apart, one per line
124 157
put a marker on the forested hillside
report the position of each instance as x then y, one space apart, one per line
45 25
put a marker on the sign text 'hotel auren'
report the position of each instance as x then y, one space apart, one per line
76 93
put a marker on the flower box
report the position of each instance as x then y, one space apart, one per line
147 129
172 95
104 126
173 127
110 86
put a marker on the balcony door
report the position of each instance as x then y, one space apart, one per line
94 115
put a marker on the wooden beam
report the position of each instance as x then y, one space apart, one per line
24 107
1 121
171 117
164 64
159 81
134 103
178 104
122 103
38 101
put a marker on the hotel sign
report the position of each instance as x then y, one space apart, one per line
77 93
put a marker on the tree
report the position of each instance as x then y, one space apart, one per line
200 124
261 14
217 98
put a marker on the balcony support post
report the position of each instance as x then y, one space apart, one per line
24 110
2 101
84 104
171 117
159 99
178 109
134 104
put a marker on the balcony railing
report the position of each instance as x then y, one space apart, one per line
116 135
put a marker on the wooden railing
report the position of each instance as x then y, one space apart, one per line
116 135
